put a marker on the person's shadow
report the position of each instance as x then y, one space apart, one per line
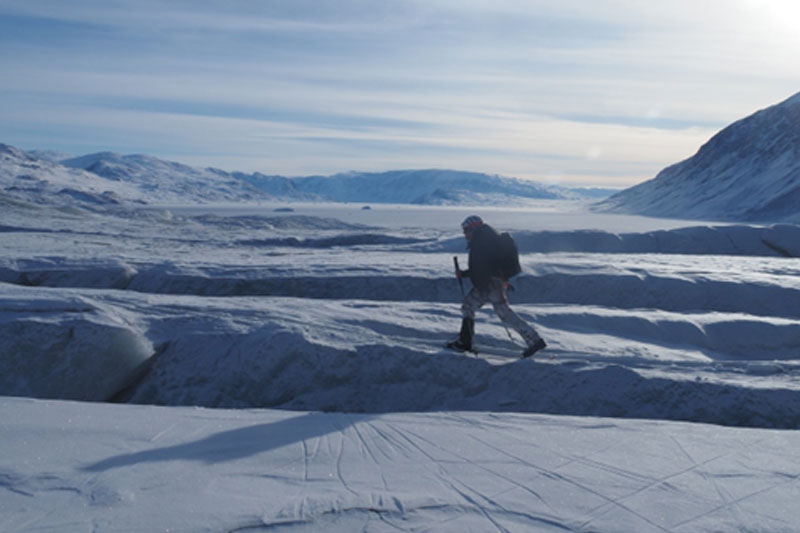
238 443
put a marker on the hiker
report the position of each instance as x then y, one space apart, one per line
491 263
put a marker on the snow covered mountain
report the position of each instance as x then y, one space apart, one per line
165 181
426 187
143 178
32 180
749 171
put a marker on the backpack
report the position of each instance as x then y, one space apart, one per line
507 256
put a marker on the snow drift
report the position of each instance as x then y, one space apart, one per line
65 347
310 313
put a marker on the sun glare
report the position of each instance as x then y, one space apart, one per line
781 14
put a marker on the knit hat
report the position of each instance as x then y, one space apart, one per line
471 222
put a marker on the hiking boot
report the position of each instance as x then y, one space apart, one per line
464 342
459 346
533 348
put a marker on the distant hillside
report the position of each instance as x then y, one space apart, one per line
430 187
165 181
108 176
31 180
749 171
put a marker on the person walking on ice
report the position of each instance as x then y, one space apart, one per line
493 260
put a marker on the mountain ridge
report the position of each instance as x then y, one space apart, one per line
748 171
149 179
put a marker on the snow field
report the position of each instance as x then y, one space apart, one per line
146 468
319 344
365 356
383 354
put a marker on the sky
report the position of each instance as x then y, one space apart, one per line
589 93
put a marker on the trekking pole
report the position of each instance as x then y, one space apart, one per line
458 275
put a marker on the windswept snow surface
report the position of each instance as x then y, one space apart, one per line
668 398
145 468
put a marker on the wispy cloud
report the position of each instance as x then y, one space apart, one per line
593 92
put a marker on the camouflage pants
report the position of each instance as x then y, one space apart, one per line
497 295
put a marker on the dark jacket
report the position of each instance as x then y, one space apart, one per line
483 255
